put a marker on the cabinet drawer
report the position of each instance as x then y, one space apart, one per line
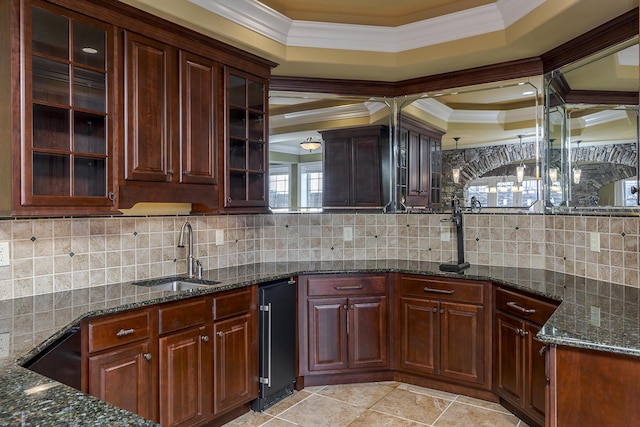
444 288
115 330
182 315
346 285
232 303
524 306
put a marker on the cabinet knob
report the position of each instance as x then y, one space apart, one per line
229 199
170 171
111 196
351 306
204 338
185 173
345 306
435 310
542 351
442 311
147 356
220 334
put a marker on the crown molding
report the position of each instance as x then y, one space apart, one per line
269 23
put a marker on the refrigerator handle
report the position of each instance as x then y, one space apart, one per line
269 341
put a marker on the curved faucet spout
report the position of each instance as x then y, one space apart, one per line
181 242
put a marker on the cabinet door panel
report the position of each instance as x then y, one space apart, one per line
198 149
510 362
366 181
148 94
327 334
185 363
232 363
536 376
462 341
123 378
420 330
367 329
335 191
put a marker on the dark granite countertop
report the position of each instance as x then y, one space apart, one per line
593 314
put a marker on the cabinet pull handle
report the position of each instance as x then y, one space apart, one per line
220 334
228 199
125 332
111 196
147 356
542 350
525 311
348 288
205 338
439 291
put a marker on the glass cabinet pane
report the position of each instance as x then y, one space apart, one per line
256 156
50 33
51 175
89 134
256 95
237 91
256 126
50 81
89 176
89 90
89 46
237 123
238 186
237 154
51 128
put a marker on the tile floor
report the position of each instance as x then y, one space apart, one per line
384 404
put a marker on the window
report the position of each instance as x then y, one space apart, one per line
630 199
279 188
310 186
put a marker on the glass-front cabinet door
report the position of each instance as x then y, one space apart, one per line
67 151
246 141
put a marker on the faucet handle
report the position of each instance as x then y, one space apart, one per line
199 268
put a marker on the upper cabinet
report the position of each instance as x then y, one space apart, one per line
100 114
420 165
62 113
246 152
170 145
354 167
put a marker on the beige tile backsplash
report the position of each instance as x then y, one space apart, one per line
59 254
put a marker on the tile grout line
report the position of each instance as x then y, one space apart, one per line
445 410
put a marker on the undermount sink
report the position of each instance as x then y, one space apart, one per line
172 285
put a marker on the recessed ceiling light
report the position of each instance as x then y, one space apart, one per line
90 50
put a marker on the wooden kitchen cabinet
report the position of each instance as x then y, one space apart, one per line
59 113
443 328
170 146
520 374
353 175
235 328
345 322
245 149
185 362
121 363
420 164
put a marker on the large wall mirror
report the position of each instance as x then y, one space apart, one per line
592 128
491 152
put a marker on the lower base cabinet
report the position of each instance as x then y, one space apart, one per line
184 363
519 359
591 388
442 326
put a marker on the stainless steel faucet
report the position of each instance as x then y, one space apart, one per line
191 260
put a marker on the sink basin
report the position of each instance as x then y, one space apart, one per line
171 285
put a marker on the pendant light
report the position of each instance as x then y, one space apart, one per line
520 169
456 170
577 172
311 144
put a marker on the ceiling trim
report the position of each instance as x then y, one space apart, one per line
472 22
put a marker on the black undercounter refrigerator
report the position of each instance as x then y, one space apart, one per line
277 326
